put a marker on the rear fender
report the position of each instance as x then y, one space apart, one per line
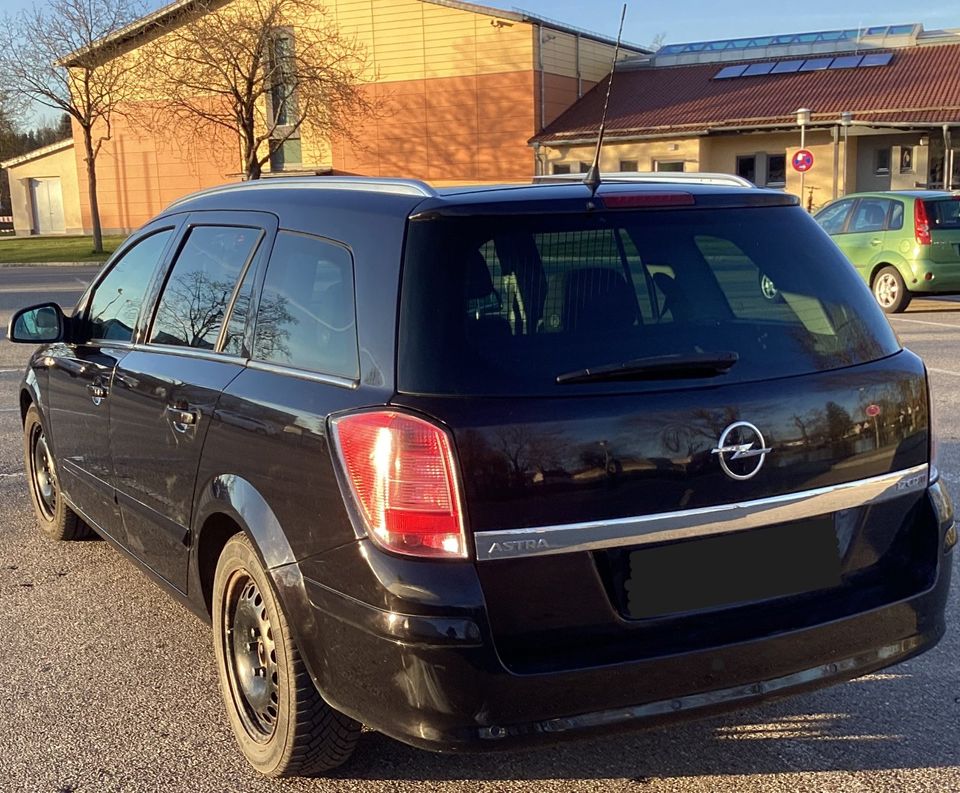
235 497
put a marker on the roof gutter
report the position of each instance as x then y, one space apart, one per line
774 127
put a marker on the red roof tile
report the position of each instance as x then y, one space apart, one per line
920 85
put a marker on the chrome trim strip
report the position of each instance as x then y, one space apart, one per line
720 519
303 374
188 352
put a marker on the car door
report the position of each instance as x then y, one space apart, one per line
81 372
166 388
863 240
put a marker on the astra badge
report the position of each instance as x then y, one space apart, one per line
741 450
518 546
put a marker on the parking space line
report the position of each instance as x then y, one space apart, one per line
927 322
943 371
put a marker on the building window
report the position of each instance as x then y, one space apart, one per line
285 154
747 168
881 162
285 148
561 168
584 167
906 159
629 166
776 170
668 166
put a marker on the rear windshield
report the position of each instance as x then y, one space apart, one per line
495 305
943 214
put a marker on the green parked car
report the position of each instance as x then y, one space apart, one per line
903 243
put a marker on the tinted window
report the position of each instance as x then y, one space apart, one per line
198 291
777 170
834 216
505 304
118 297
870 215
943 214
306 317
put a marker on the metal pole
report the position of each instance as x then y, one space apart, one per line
836 161
846 144
803 145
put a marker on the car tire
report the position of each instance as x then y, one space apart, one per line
282 724
890 290
55 518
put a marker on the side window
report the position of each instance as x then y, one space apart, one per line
307 317
833 217
870 215
117 299
199 288
896 217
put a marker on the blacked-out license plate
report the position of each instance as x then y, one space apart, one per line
743 567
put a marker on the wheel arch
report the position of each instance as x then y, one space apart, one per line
227 505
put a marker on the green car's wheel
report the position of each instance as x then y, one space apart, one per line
890 290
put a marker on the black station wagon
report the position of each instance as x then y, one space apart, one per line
482 467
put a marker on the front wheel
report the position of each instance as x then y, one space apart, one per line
55 518
890 290
283 726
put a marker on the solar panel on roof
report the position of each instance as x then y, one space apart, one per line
816 64
755 69
787 67
846 62
730 71
877 59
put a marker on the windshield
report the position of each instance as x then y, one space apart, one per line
504 305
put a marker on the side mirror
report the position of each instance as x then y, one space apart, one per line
37 324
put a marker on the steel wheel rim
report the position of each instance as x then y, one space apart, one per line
250 655
43 475
886 290
767 287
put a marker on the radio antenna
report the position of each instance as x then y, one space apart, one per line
592 179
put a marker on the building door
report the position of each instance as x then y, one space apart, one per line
47 199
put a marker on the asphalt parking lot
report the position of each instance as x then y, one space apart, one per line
108 685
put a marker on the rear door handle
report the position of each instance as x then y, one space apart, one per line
97 392
182 419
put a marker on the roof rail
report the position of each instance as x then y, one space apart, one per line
657 177
410 187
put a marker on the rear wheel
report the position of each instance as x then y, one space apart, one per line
283 726
890 290
55 518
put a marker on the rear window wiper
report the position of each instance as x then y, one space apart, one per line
659 367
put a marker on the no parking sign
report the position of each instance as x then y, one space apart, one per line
803 160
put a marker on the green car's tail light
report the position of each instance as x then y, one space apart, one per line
402 475
921 222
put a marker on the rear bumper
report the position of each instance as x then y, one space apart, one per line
437 682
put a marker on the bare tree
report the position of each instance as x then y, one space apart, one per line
262 70
60 55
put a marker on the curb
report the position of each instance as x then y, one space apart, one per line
51 264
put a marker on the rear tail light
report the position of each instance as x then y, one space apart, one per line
921 222
402 477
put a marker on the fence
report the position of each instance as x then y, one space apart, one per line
6 225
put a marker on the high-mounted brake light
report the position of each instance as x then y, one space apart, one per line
402 477
921 222
628 200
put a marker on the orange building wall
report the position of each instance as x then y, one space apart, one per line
140 173
447 129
